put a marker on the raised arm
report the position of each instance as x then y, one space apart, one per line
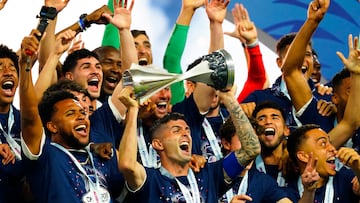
246 32
297 85
351 121
2 3
216 11
132 170
31 125
48 42
85 21
250 145
176 46
122 20
62 43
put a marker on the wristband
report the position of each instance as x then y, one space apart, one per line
83 23
254 44
47 12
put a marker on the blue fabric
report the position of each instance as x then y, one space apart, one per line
194 119
54 177
312 116
232 166
104 126
159 188
11 175
274 94
201 144
261 188
326 122
342 188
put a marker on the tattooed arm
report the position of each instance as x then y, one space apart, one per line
250 146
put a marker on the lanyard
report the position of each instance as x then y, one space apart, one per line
329 190
242 187
192 195
212 139
148 158
260 166
15 147
92 186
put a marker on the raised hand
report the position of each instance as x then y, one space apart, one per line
76 44
216 10
97 15
63 41
126 97
58 4
353 61
317 9
245 29
147 109
29 48
122 14
2 3
310 176
192 4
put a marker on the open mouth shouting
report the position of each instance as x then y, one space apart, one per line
143 61
269 131
331 162
93 84
185 148
81 130
8 88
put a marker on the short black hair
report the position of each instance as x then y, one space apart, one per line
284 41
72 59
173 116
339 77
69 85
102 50
267 104
6 52
47 105
294 141
296 138
227 130
136 33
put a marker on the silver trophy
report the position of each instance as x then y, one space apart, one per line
215 69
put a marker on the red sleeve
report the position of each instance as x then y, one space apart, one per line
256 73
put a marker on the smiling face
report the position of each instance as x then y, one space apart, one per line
318 142
111 66
69 124
88 73
162 102
174 142
8 80
143 47
274 126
